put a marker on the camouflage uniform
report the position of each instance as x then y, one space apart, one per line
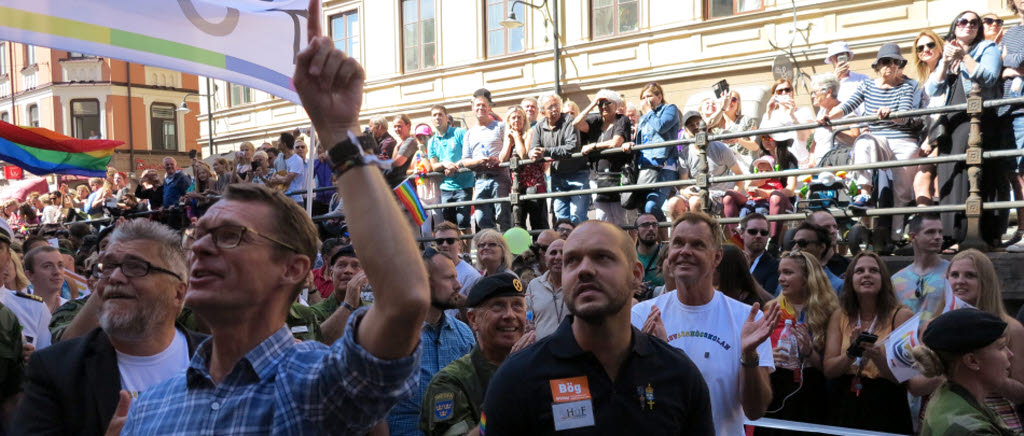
455 396
953 411
10 353
302 321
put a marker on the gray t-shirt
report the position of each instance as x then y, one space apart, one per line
397 173
720 162
484 141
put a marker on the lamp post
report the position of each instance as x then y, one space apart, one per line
511 22
209 109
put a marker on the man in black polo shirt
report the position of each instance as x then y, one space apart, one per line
596 374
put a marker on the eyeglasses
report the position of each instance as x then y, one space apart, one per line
923 47
991 21
443 241
803 242
963 22
564 229
781 91
230 235
647 225
755 232
131 268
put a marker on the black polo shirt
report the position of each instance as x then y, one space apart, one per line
659 391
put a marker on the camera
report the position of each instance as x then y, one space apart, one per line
855 350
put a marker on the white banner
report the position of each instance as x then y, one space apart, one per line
247 42
898 346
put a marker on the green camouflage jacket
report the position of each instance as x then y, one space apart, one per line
455 396
953 411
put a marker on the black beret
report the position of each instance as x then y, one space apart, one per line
498 285
963 330
345 250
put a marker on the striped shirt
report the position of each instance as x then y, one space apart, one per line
279 388
872 98
1013 43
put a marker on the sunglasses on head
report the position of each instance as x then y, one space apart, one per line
924 47
755 232
442 241
963 22
991 21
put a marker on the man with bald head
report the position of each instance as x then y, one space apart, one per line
595 367
831 259
544 240
544 293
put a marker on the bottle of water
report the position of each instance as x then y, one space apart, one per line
788 343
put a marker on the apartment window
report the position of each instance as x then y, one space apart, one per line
612 17
30 55
3 58
240 95
345 33
164 126
500 40
418 35
5 117
33 115
85 118
725 8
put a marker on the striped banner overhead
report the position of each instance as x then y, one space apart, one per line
247 42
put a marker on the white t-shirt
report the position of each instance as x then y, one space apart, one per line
139 373
848 86
710 337
296 166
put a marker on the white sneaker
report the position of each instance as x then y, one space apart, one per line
1016 248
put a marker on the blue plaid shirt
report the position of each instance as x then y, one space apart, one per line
279 388
442 344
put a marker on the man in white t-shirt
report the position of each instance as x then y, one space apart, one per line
726 339
839 56
138 296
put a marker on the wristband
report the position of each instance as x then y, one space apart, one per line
753 364
348 153
348 306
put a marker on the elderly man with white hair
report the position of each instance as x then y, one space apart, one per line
554 136
601 131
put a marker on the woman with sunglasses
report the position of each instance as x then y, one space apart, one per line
993 26
867 395
1013 86
968 60
782 111
806 302
492 253
973 279
969 349
925 57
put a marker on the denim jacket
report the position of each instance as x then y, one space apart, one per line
990 66
658 125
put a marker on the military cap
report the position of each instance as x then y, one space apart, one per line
963 330
345 250
498 285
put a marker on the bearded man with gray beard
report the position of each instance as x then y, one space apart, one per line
79 385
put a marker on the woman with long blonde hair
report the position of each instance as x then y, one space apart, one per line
492 252
807 301
925 57
530 176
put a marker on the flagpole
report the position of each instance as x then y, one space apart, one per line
308 175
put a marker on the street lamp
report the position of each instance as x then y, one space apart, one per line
511 22
183 109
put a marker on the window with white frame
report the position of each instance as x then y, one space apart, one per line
419 35
501 41
345 33
612 17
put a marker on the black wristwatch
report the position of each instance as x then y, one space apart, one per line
348 306
348 153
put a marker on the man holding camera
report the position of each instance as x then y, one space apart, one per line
839 56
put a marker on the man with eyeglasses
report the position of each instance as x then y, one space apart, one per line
648 247
815 239
251 254
764 266
839 56
555 136
920 286
564 227
140 292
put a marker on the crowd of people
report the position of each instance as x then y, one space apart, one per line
227 309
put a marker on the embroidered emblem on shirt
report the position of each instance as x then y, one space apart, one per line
443 405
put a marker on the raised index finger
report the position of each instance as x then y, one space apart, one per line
313 21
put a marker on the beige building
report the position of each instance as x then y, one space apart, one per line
418 53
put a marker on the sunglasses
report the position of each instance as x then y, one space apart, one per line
991 21
887 62
783 91
803 242
605 103
540 248
963 22
923 47
755 232
443 241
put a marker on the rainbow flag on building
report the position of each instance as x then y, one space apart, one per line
406 193
41 151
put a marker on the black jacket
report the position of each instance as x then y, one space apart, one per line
72 387
767 272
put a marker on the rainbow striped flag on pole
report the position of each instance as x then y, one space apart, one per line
406 193
41 151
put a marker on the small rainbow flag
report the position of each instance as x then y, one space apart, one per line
41 151
406 193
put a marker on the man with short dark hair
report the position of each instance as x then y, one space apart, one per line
294 168
44 267
595 368
648 247
453 399
816 241
251 254
728 339
764 266
555 136
444 339
445 150
138 296
564 227
447 240
480 152
921 285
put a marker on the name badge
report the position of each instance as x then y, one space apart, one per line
568 390
300 329
576 414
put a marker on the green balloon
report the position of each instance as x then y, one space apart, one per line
518 240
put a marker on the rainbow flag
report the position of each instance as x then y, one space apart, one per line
41 151
406 193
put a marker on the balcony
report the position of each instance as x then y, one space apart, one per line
88 69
